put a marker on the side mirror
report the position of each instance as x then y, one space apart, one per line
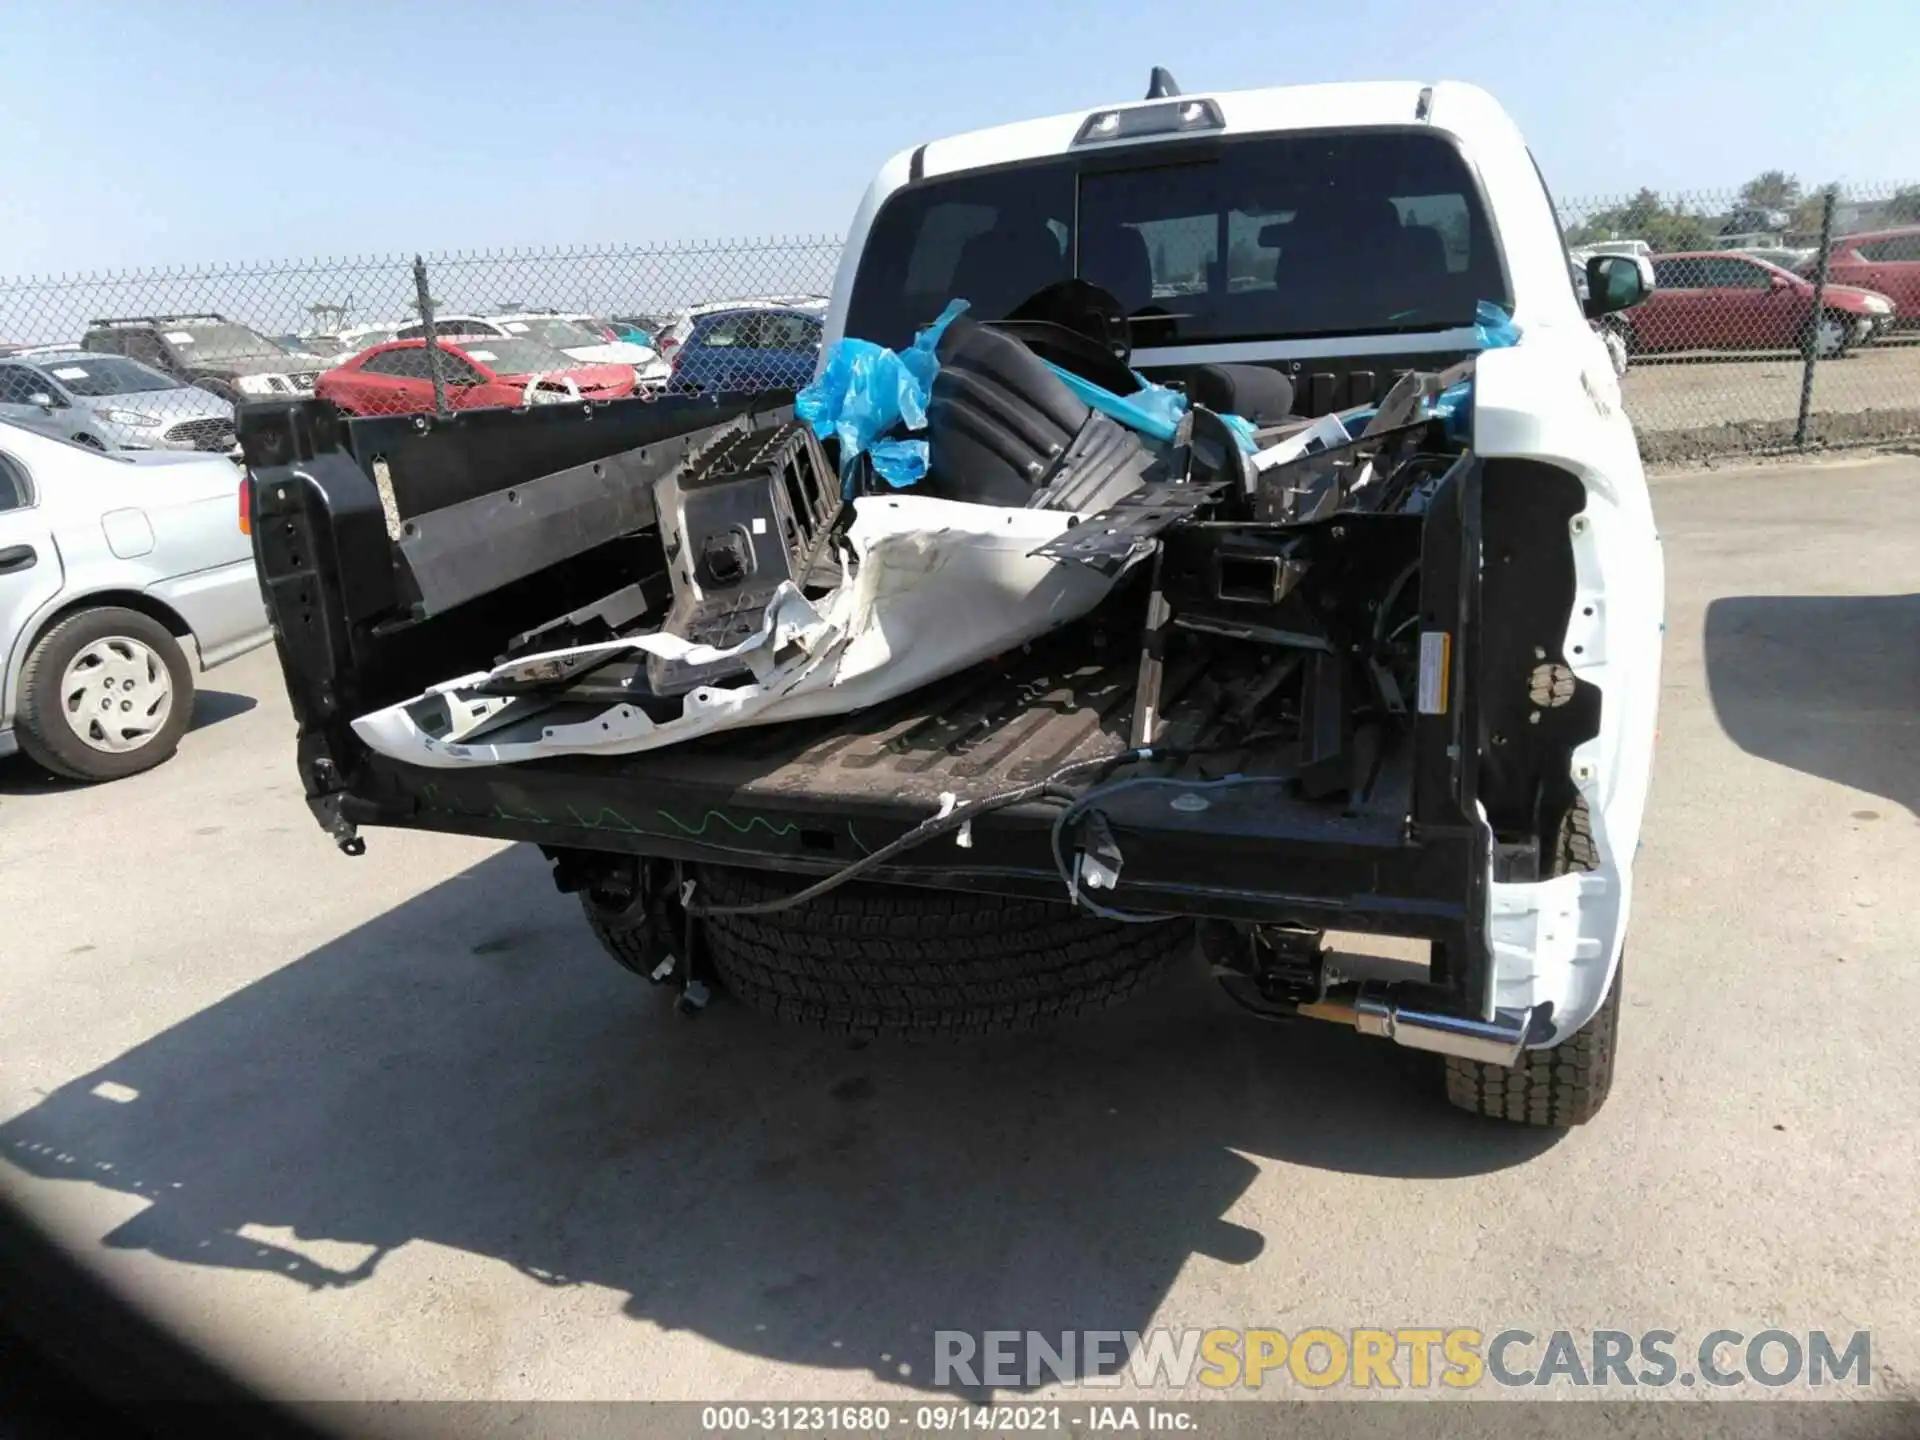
45 401
1617 282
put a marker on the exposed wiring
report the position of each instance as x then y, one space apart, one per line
1386 606
949 818
1090 799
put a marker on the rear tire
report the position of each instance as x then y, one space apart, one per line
68 660
870 959
1568 1084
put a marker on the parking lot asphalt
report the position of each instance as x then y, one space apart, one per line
393 1127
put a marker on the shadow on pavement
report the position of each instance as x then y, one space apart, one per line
1826 684
467 1069
20 776
210 707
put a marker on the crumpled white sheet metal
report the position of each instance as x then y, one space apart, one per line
939 585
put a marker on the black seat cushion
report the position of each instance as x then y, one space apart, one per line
1255 392
998 420
1116 260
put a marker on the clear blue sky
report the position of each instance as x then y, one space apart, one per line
159 133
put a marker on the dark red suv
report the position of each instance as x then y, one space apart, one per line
1887 261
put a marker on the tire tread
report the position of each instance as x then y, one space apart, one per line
870 959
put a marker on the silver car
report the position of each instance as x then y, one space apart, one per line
112 403
120 575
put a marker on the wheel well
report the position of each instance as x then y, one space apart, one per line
98 599
123 599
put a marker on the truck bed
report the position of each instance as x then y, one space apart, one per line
976 733
810 796
398 552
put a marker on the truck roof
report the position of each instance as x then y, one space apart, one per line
1451 105
1520 212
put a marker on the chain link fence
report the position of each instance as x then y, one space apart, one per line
1783 318
156 359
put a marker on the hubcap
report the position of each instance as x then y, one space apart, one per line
116 694
1831 334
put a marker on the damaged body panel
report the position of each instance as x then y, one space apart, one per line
932 587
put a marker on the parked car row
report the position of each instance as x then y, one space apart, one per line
1762 298
158 382
109 402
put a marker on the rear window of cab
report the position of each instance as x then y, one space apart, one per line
1344 233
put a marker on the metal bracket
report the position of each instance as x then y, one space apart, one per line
1100 857
326 810
1111 540
1153 659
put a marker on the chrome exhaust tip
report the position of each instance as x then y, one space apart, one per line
1498 1041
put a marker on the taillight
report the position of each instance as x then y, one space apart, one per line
246 505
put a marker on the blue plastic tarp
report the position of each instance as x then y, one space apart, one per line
1493 327
899 462
866 389
1152 409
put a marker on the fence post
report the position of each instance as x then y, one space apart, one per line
1812 342
425 298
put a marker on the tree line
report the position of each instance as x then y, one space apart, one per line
1772 202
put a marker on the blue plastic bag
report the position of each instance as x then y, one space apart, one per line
1493 328
1152 409
1242 429
866 389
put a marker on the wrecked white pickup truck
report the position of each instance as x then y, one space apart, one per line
1260 552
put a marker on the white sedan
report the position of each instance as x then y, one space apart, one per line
118 575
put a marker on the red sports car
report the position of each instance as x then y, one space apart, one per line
479 371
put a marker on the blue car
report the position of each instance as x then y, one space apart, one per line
763 348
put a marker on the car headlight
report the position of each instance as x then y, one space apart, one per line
137 418
1877 306
254 385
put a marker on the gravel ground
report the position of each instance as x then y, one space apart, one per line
1693 407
